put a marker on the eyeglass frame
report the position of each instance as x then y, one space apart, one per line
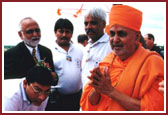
39 92
31 31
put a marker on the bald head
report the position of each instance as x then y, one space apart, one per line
27 21
29 31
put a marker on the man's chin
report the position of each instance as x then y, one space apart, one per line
91 36
32 44
65 43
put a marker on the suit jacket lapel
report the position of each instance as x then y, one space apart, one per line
27 56
40 52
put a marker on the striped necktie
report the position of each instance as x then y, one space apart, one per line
34 55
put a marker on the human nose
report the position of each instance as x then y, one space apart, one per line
88 26
116 38
42 96
64 33
35 33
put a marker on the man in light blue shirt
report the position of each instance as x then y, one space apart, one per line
29 93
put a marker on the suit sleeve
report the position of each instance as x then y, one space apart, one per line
51 62
9 65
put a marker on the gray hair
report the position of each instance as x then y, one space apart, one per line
97 13
20 23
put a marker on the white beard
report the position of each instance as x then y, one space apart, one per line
31 42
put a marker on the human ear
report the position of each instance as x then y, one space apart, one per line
25 83
104 23
138 36
20 35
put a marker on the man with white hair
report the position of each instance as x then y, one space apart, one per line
98 45
19 59
127 78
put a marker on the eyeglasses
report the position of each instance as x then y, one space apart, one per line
31 31
119 33
39 91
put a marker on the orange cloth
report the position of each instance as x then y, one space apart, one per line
107 29
137 77
125 16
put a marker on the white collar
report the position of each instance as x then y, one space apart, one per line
104 38
31 49
60 49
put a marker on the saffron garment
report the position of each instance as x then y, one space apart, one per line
138 77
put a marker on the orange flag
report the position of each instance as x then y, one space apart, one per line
59 11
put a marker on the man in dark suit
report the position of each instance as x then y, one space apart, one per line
19 59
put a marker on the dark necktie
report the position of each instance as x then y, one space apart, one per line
34 55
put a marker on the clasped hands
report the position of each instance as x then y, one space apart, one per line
101 81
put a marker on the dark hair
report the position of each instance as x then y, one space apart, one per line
151 36
142 41
63 23
82 38
40 75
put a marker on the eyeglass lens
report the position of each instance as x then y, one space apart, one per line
30 31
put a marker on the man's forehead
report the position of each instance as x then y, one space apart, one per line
119 27
146 37
116 27
64 29
91 18
29 23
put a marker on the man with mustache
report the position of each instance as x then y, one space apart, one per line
67 62
29 93
19 59
128 78
98 45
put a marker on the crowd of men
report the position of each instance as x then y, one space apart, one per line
111 71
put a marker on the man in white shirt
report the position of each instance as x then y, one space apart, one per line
67 62
29 93
98 46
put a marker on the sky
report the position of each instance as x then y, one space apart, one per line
45 13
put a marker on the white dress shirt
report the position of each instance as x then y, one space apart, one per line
68 67
79 45
31 50
15 99
93 54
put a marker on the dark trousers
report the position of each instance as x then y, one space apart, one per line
61 102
